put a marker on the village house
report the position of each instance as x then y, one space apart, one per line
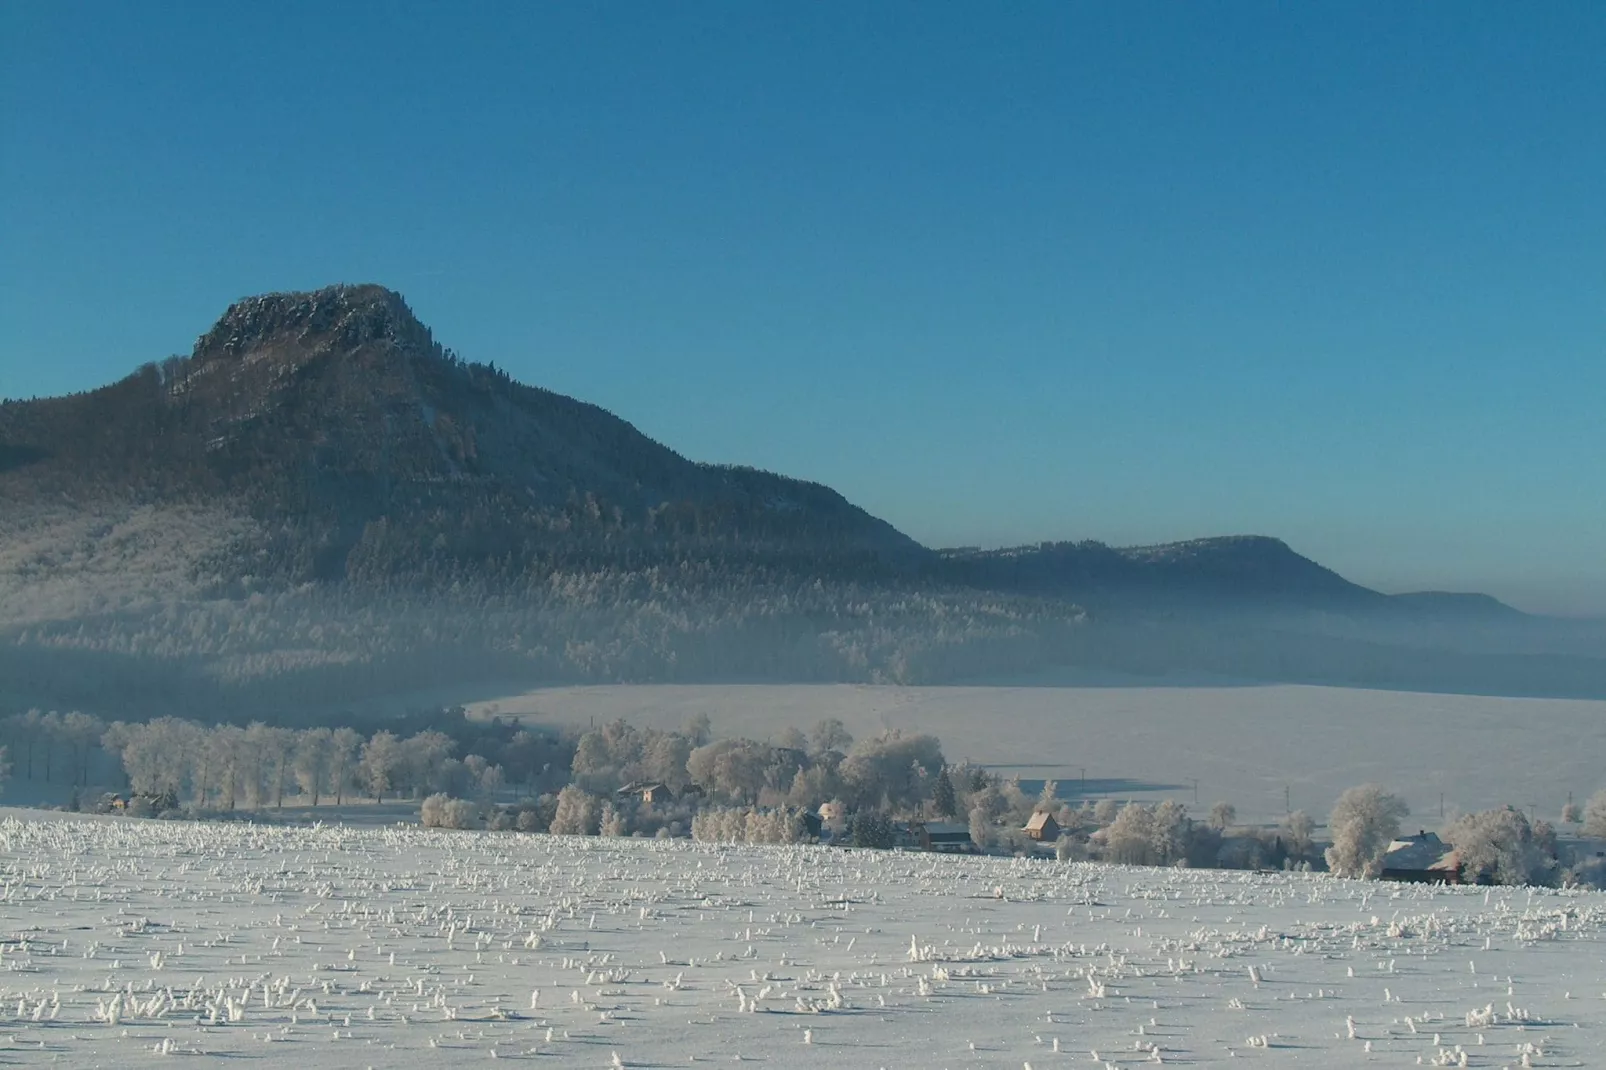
650 792
1042 827
1421 859
943 837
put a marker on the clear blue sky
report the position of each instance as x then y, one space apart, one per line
998 272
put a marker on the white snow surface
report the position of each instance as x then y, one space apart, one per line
1259 747
128 943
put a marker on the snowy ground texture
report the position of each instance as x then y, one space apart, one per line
129 943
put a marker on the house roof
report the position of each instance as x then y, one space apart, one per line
1040 821
1420 852
938 830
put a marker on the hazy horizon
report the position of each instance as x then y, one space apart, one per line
1137 274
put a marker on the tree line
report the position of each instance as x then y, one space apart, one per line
621 780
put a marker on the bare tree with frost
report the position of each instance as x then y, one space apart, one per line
1362 824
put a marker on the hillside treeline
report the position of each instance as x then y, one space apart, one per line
316 647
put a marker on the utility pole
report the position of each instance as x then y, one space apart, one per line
1441 806
1195 791
1288 807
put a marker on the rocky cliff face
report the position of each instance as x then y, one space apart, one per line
335 319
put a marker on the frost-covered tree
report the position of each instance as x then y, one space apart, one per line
1595 815
612 821
155 755
1363 822
699 730
1500 845
225 749
380 765
1222 816
311 761
1172 831
1130 839
1299 829
895 767
579 813
981 828
422 756
81 731
1572 813
830 734
792 738
275 748
735 768
344 745
24 729
664 759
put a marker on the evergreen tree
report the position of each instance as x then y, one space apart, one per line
942 795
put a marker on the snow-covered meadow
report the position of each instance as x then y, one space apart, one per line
1264 748
134 943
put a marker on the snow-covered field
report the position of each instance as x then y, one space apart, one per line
129 943
1253 746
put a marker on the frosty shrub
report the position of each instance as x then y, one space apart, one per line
1362 823
1068 850
1501 846
1572 814
740 824
981 828
1298 831
579 813
1105 812
1595 815
460 814
529 820
612 822
429 811
1222 816
444 812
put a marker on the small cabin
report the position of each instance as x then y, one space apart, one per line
1042 827
1421 859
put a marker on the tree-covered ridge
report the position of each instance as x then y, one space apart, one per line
366 449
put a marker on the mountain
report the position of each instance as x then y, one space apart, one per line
363 448
1214 575
321 505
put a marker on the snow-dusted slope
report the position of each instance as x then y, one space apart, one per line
129 943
